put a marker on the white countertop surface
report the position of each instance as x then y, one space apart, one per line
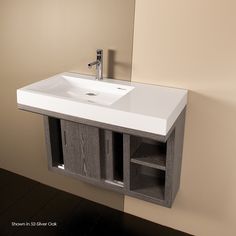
148 108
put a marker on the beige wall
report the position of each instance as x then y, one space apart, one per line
42 38
192 44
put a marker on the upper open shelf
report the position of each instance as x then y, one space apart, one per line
149 153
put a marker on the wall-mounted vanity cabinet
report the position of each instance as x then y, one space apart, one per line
143 167
124 146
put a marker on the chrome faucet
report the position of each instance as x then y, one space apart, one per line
99 64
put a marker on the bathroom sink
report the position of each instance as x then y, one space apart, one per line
81 89
137 106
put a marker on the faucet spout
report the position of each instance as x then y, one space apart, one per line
99 64
90 65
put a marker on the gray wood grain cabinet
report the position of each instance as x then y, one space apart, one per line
135 163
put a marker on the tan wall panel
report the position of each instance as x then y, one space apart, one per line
191 44
42 38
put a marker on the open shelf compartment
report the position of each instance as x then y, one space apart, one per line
54 134
147 152
147 181
117 146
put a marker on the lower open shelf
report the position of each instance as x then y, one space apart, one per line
147 181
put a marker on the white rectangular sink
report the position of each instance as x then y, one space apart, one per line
82 89
144 107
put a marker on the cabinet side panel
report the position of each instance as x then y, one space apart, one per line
169 169
174 159
178 150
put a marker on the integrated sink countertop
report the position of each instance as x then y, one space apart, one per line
138 106
82 89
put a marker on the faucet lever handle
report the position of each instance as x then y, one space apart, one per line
99 52
99 55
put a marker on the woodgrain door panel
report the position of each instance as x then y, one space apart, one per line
81 149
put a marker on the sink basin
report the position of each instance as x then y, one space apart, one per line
137 106
83 88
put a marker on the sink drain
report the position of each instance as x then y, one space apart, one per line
121 88
91 94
